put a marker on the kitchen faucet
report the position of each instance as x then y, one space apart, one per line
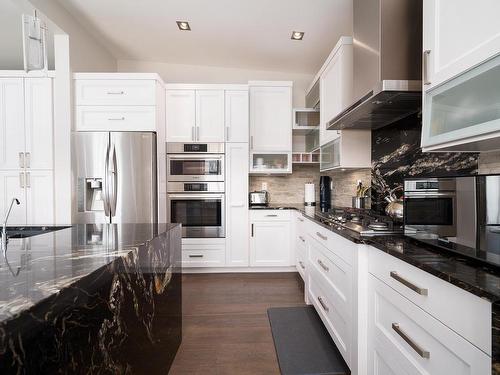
4 226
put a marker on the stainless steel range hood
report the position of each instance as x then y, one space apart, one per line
387 64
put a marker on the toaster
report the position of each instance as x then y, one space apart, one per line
259 198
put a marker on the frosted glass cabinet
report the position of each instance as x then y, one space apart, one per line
271 162
463 114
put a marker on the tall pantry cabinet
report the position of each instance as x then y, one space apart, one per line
26 149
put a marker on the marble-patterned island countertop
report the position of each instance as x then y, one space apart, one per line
91 299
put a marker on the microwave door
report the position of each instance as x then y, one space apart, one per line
91 153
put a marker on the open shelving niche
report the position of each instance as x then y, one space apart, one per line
305 130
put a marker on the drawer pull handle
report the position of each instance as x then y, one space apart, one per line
324 238
323 265
323 305
300 219
302 265
416 289
271 215
116 92
421 352
196 256
116 119
302 239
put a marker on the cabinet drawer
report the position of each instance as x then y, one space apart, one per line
269 215
326 306
339 245
203 256
465 313
119 118
115 92
410 341
335 275
301 256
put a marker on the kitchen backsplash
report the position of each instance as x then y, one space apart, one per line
345 183
288 189
396 154
489 163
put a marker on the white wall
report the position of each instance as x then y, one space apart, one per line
86 52
180 73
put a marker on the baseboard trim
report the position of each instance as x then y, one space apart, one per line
237 269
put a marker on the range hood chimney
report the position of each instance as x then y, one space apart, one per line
387 64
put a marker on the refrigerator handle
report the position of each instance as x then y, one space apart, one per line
114 181
106 184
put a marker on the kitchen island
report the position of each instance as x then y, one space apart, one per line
92 299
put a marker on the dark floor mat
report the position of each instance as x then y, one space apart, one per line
303 344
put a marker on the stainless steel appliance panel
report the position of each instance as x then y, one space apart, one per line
90 193
195 187
190 167
132 177
195 148
201 215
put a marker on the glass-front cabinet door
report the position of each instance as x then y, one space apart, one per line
270 163
330 155
463 114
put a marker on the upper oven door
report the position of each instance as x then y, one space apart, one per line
187 167
201 215
434 213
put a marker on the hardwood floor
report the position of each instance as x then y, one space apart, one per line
226 329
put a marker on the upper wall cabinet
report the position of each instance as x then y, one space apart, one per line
181 115
237 116
210 115
461 76
271 116
335 87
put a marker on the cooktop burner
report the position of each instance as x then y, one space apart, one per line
366 223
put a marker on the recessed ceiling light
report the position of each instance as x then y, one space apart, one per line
183 25
297 35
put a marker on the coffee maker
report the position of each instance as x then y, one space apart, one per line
325 193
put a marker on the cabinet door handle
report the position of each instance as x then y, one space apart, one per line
302 265
197 133
323 265
116 92
324 238
408 284
21 160
272 215
427 54
251 142
302 239
300 219
21 180
421 352
116 119
227 133
28 160
252 230
323 304
28 179
193 135
196 256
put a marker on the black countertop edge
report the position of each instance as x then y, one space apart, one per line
471 275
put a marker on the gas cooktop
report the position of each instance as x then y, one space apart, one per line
364 222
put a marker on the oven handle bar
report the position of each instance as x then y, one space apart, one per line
428 195
196 156
189 196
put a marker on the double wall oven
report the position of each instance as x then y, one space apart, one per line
195 188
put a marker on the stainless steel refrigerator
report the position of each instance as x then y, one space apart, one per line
115 177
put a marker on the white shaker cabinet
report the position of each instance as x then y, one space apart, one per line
12 186
39 197
270 238
271 116
236 115
180 115
237 233
38 123
209 116
12 136
458 35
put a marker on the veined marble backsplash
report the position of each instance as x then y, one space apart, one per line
288 188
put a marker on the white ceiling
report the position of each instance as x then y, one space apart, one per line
252 34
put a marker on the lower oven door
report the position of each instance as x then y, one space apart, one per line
201 215
431 213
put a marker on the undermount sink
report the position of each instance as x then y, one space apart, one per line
30 231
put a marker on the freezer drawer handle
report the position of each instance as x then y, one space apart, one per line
408 284
323 304
323 265
421 352
196 256
324 238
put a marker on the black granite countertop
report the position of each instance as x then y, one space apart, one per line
38 267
